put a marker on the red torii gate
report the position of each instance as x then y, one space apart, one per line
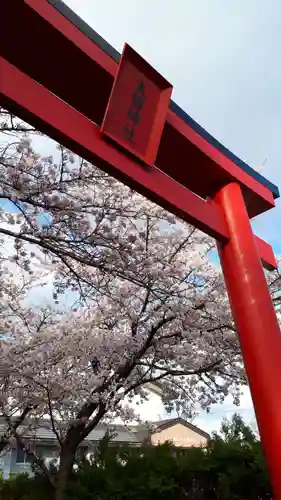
62 77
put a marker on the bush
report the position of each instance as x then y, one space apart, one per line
232 467
22 487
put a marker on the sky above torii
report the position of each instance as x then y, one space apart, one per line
223 59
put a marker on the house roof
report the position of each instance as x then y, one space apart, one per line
160 425
135 434
154 387
121 434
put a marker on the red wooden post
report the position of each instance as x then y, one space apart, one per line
256 323
73 114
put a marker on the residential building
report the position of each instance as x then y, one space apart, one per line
176 431
179 432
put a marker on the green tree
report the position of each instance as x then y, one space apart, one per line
129 474
231 467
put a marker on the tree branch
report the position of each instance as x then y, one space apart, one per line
5 439
52 418
24 447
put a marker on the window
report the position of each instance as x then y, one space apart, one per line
22 457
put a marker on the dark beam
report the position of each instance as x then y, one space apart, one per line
81 73
35 104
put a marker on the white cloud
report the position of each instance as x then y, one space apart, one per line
212 421
221 58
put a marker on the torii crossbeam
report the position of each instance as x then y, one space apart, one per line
62 77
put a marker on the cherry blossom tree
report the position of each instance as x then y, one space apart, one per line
148 303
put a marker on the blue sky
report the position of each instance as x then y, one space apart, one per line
222 57
223 60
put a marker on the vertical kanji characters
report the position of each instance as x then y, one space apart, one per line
134 116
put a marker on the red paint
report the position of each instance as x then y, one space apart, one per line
137 130
214 166
256 323
69 31
268 258
85 81
69 103
38 106
29 100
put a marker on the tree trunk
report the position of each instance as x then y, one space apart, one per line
67 457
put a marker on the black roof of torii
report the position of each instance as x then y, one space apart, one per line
114 54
